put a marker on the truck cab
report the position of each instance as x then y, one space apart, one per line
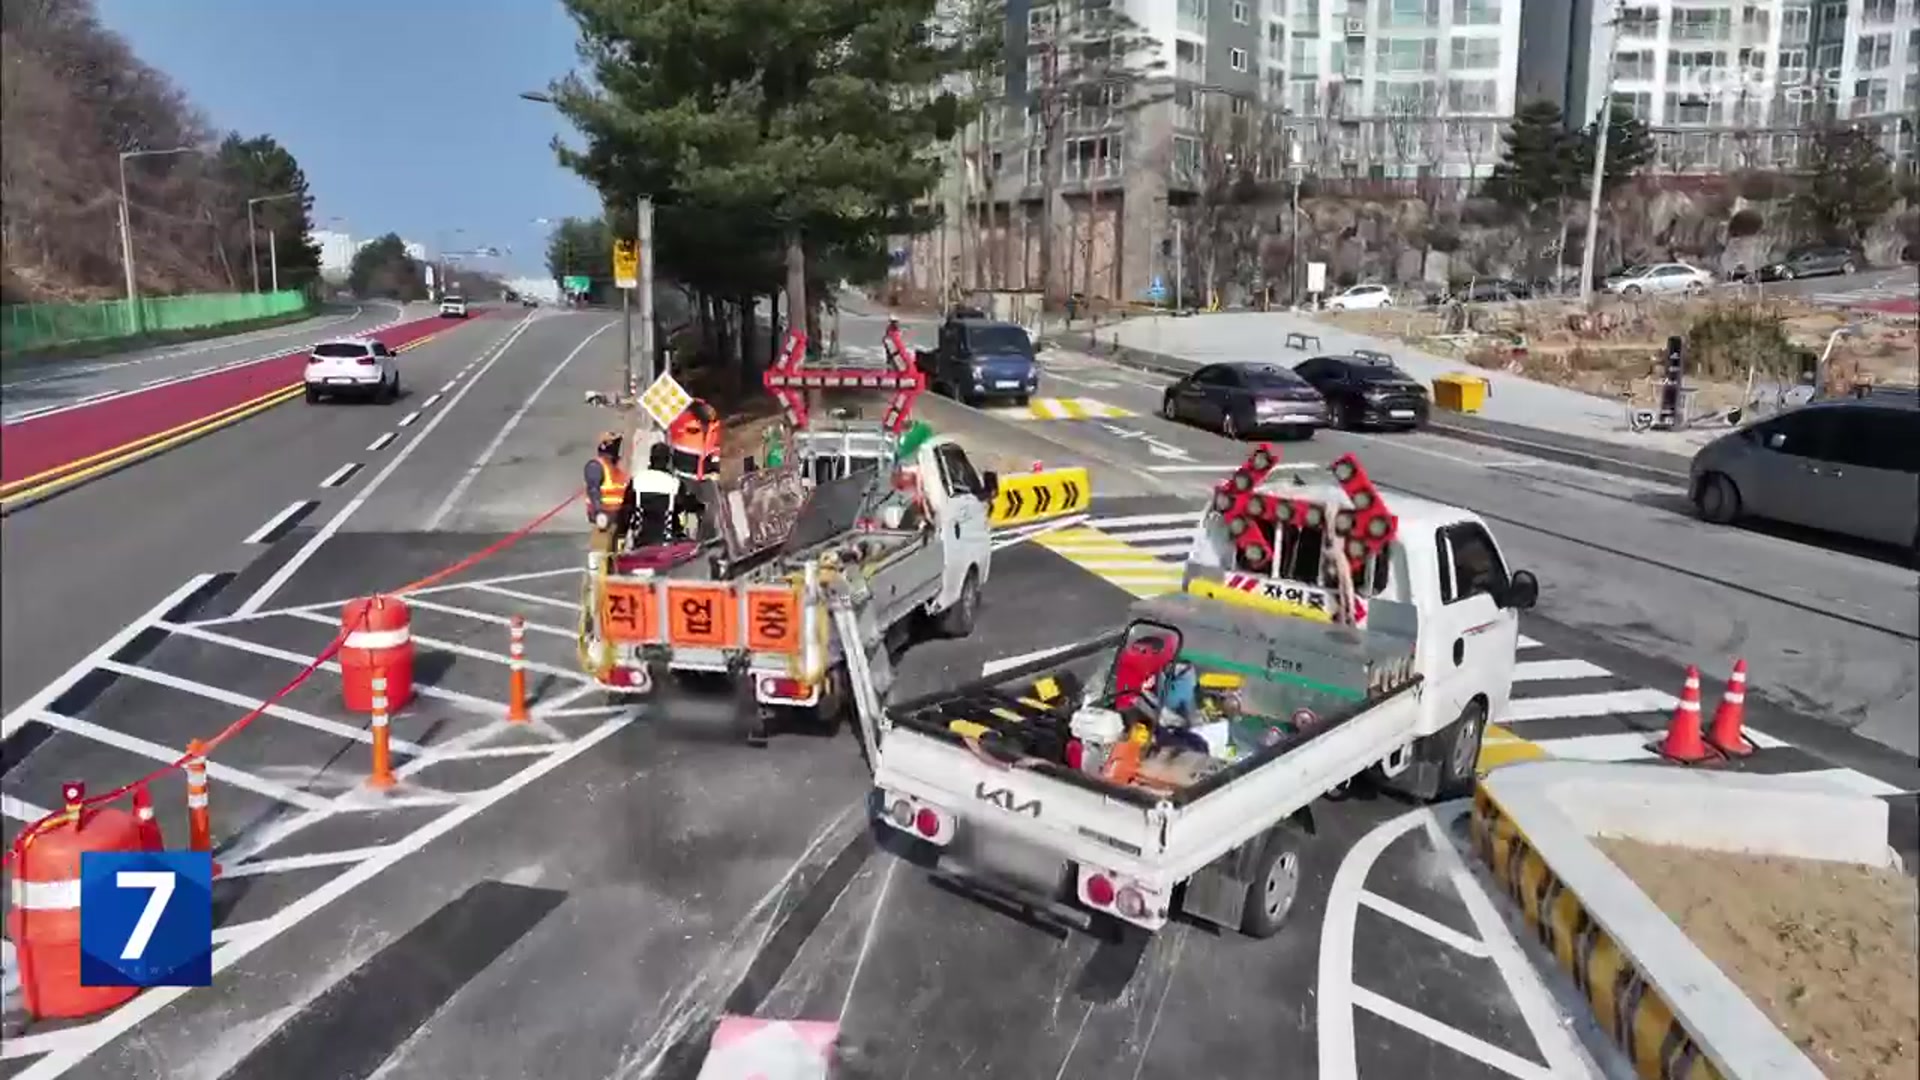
979 360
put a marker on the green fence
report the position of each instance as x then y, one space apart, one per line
27 327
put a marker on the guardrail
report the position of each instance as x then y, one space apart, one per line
27 327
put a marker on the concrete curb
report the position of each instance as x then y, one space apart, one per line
1671 1010
1635 462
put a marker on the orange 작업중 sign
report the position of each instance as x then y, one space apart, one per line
773 620
628 614
701 616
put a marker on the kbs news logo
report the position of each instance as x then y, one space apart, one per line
1744 82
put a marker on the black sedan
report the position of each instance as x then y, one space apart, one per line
1367 391
1811 262
1238 400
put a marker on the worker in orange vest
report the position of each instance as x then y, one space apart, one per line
610 499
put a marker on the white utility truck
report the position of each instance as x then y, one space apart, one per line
1177 775
900 525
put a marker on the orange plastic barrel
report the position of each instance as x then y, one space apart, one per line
43 918
382 644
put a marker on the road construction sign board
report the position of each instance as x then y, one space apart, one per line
626 264
577 283
665 400
1037 496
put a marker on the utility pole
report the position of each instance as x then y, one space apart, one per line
645 251
1605 123
273 257
1179 260
253 245
126 229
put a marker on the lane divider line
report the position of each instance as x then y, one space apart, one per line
451 383
377 444
407 420
428 404
138 451
282 522
340 475
292 566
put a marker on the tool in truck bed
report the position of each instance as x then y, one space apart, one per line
907 532
1172 766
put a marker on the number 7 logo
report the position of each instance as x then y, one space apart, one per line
146 918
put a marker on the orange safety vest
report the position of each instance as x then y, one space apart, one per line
613 487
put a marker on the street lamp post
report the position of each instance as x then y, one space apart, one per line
1605 123
253 245
126 227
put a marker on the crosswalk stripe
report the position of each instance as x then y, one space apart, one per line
1605 703
1051 408
1540 670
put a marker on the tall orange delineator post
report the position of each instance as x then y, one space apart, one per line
43 916
382 774
151 838
199 813
517 671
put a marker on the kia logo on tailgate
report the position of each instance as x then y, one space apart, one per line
1005 800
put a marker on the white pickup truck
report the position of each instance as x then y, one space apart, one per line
901 554
1398 673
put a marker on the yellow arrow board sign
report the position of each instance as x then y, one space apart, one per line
1038 496
626 264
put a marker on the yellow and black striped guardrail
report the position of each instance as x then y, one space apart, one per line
1629 1008
1027 497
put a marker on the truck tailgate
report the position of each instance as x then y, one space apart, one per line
1079 822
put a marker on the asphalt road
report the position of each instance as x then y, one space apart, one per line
45 385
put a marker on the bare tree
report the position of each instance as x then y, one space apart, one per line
1241 151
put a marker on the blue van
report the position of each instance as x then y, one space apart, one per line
979 360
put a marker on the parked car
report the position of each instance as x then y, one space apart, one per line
978 359
1360 298
352 367
1849 466
1239 400
1367 391
1667 277
1811 262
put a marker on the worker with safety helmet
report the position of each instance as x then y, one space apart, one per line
610 499
694 437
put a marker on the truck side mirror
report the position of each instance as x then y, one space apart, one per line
1523 591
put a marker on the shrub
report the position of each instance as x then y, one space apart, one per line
1724 341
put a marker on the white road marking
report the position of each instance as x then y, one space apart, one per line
432 399
469 651
1606 703
480 463
152 1001
292 566
1024 533
1450 1037
134 744
1217 470
1007 663
1338 1054
67 679
1525 642
301 862
488 617
524 597
407 420
1529 670
1414 920
21 809
199 630
242 701
1609 747
339 476
380 442
268 531
451 383
1187 518
236 931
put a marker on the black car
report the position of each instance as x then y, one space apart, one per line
1367 391
1246 399
977 360
1811 262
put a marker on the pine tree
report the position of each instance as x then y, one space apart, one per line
1847 186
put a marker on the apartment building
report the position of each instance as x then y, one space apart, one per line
1730 84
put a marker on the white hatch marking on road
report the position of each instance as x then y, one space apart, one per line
339 476
311 861
292 566
199 630
1414 920
21 809
1450 1037
146 748
407 420
1338 1056
271 530
1525 642
1007 663
380 442
489 617
1528 670
469 651
527 597
242 701
499 439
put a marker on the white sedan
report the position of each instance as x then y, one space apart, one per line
1360 298
1670 277
352 367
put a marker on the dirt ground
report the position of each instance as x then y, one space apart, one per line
1614 352
1830 951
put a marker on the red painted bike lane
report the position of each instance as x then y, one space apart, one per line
43 447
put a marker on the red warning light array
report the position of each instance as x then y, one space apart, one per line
788 379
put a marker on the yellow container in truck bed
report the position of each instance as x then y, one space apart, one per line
1458 391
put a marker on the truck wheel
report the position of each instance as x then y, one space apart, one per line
957 620
1456 751
1275 881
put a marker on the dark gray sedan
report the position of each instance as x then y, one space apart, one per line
1239 400
1811 262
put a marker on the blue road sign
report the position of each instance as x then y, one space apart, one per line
1158 290
146 918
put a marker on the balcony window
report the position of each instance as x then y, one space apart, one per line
1240 13
1474 54
1409 14
1472 95
1637 64
1691 109
1796 26
1305 61
1869 96
1276 41
1701 24
1192 17
1639 22
1237 59
1879 11
1476 12
1873 51
1186 158
1306 15
1092 159
1640 103
1406 56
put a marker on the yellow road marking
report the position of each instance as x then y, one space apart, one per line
1498 747
1113 560
1049 408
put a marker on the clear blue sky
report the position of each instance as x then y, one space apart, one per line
402 112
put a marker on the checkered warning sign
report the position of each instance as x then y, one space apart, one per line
665 400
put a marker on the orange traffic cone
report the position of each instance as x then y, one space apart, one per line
151 838
1683 743
1725 735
